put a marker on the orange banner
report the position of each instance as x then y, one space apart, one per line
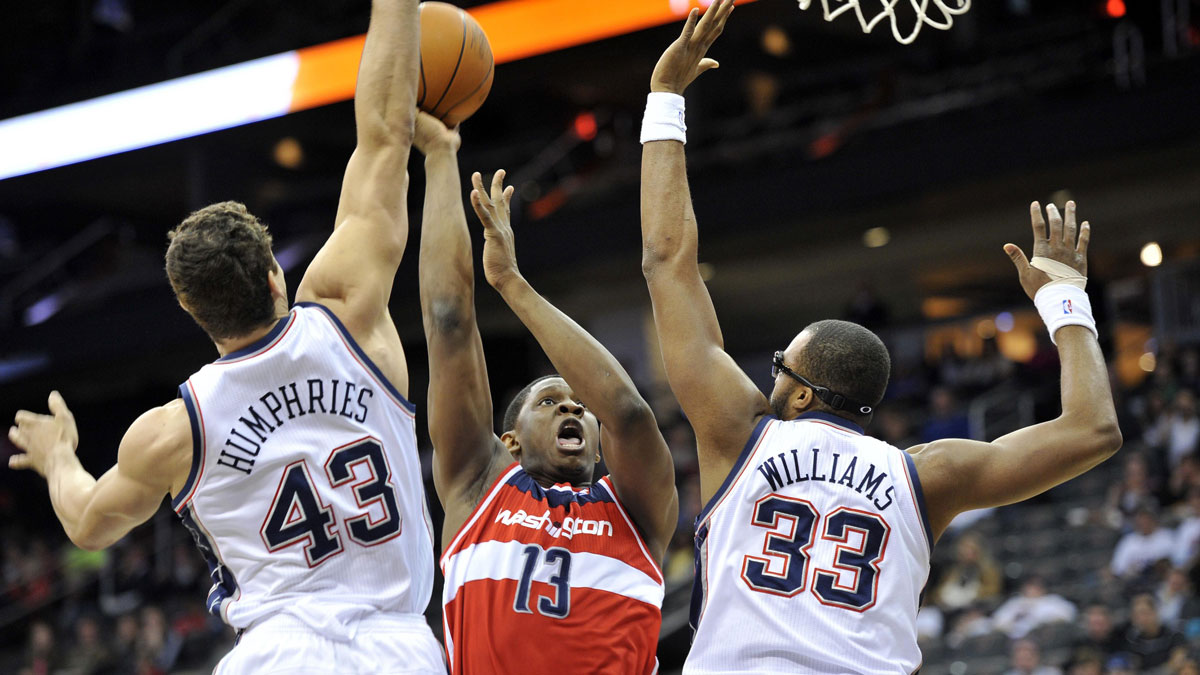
517 29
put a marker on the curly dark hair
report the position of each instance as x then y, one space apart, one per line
218 261
514 406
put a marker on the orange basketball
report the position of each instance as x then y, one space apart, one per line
456 63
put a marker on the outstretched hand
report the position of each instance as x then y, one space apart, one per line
41 436
431 135
684 60
499 247
1063 243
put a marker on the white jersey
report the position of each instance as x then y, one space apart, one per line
305 494
812 556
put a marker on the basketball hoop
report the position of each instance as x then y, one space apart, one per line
927 14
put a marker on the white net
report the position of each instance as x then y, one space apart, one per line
933 13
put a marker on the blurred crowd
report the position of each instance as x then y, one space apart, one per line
1131 607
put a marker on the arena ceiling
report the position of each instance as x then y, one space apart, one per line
809 135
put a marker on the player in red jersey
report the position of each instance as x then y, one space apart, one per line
543 566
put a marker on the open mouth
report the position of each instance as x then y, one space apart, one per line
570 436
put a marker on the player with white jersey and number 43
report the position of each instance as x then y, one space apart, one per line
814 544
292 458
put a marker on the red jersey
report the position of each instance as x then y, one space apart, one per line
539 579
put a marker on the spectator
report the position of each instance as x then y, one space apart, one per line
1134 490
158 647
41 658
1120 664
1089 663
1027 660
1176 602
1183 479
1187 535
1099 636
945 420
125 643
1146 638
1144 546
1032 608
893 426
930 623
1189 369
89 655
1178 430
971 622
973 577
123 590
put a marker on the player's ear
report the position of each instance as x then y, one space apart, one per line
802 398
509 439
275 283
182 303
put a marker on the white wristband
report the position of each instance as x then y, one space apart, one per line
1064 305
664 118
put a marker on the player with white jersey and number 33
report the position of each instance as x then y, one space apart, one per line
546 570
292 458
814 544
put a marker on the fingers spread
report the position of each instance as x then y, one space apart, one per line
481 211
708 64
689 26
508 193
1069 224
477 183
58 406
1056 222
1039 223
1017 256
1085 235
16 436
497 185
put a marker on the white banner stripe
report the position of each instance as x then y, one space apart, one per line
506 560
167 111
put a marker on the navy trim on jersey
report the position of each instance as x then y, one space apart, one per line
224 585
186 395
362 355
596 492
260 343
919 497
697 604
817 415
737 466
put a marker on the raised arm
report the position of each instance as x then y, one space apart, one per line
154 458
352 274
958 475
719 400
638 459
466 452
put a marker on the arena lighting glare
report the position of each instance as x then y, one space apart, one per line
291 81
1152 255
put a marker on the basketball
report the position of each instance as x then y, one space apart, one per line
456 63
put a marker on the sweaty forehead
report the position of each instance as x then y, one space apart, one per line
551 386
796 346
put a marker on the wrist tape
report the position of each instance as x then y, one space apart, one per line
664 118
1059 273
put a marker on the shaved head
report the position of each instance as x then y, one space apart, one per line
843 356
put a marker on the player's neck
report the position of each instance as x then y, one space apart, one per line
548 481
230 345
